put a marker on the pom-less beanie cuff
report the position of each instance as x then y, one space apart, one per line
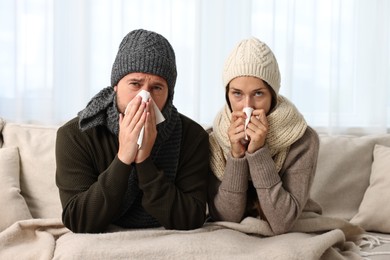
146 52
257 71
251 57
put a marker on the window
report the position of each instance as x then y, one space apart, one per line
334 56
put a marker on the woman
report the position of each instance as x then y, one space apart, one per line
263 164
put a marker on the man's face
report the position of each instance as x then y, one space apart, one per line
129 86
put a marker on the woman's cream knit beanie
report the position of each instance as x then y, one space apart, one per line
251 57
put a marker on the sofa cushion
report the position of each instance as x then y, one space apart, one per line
374 210
37 173
343 172
12 204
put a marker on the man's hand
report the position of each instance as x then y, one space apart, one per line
130 126
150 134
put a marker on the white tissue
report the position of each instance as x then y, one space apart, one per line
145 95
248 111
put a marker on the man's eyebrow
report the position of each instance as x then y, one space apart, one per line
134 79
158 81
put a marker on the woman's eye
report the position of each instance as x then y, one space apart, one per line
236 93
258 93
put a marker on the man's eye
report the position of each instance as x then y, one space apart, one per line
157 88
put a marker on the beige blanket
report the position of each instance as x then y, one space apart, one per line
48 239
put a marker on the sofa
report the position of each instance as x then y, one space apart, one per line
351 183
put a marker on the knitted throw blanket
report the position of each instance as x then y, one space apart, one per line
286 126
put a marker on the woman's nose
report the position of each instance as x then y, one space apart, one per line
248 101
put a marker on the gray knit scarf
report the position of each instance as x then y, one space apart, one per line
102 110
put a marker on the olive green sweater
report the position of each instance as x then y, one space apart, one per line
92 181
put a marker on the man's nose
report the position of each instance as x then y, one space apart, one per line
146 87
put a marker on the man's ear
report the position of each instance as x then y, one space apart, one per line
115 88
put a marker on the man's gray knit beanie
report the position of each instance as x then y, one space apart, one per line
147 52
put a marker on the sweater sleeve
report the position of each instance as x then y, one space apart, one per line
182 204
283 196
227 199
86 194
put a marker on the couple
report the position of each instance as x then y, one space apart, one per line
262 162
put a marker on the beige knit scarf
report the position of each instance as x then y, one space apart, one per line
286 125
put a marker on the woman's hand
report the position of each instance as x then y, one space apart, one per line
257 130
130 126
236 133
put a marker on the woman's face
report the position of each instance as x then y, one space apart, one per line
249 91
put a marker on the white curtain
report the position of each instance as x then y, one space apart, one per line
334 55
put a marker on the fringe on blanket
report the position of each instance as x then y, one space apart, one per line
370 242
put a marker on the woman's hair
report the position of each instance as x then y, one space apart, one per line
273 95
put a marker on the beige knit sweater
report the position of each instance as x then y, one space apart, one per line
282 187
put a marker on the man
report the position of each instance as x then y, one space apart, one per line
106 177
